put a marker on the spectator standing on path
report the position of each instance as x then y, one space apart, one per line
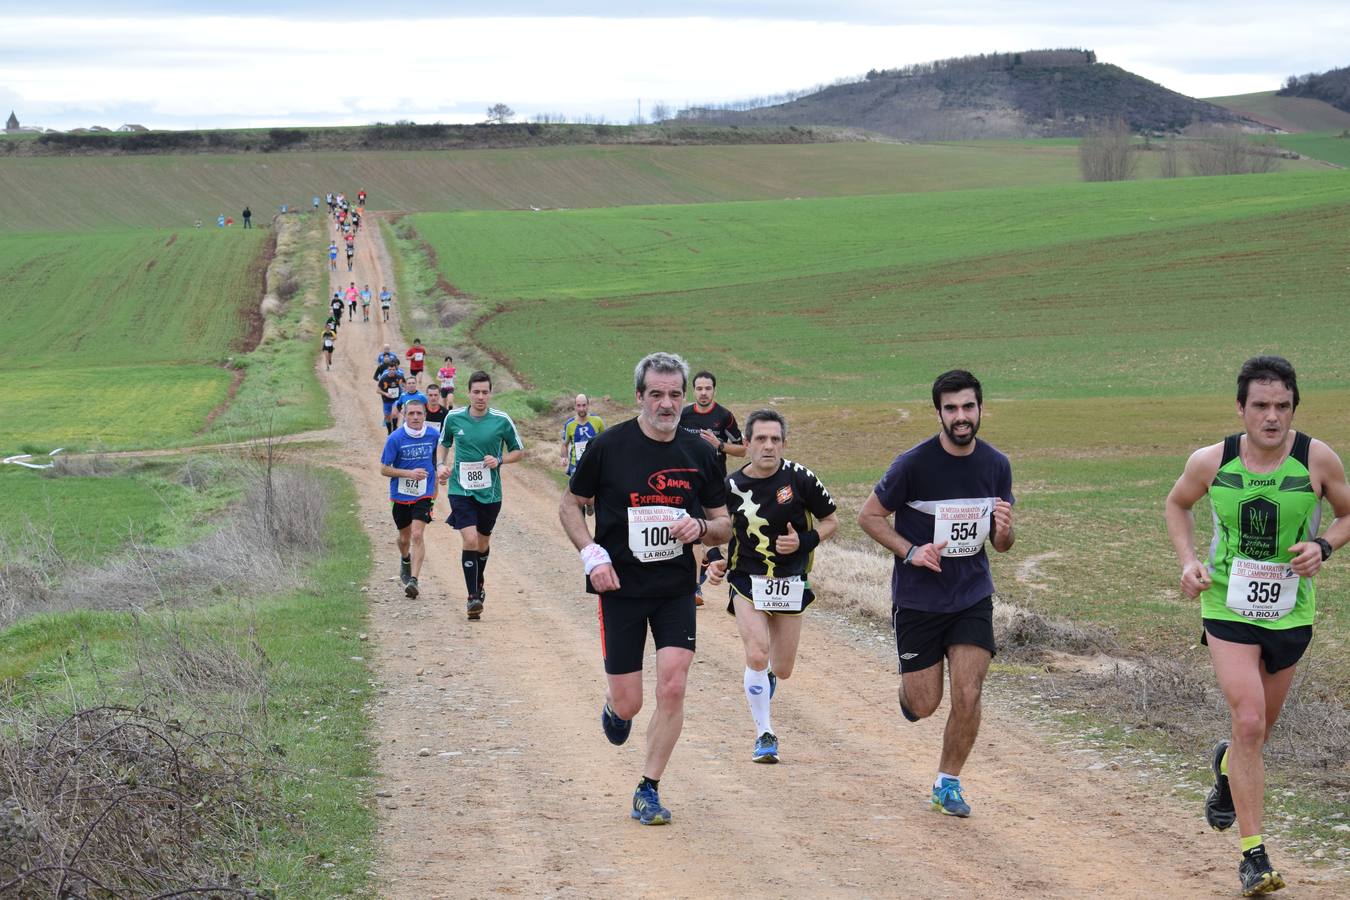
247 216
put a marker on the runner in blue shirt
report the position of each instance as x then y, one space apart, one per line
409 462
949 495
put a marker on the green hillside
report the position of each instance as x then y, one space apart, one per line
175 191
1328 146
859 298
142 320
1287 113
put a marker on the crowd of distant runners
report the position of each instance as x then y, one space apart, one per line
671 524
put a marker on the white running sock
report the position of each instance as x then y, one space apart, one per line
757 694
943 776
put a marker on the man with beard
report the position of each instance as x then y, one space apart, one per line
715 424
1265 486
656 490
949 494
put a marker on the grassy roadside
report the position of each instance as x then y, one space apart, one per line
320 843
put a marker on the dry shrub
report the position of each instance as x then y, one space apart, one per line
855 580
117 802
84 465
1024 633
206 674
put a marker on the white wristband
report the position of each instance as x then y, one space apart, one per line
593 555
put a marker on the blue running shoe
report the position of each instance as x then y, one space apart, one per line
616 729
773 684
647 807
766 748
947 799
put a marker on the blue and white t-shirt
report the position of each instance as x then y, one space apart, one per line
403 451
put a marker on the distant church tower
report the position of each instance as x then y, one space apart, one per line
13 123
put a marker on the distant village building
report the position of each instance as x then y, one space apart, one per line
131 127
13 123
99 128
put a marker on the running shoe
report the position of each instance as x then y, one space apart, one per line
474 608
947 799
773 684
404 570
647 807
410 588
616 729
1219 811
1258 876
766 748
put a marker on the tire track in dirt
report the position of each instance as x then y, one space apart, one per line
522 795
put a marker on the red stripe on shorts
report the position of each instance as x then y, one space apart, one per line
600 612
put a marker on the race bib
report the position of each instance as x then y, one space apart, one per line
1261 590
649 536
412 487
392 393
964 525
777 594
579 448
327 345
473 476
417 357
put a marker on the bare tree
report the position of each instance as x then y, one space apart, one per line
500 114
1105 153
660 112
1227 151
1171 158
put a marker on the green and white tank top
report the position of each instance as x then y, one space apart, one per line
1257 518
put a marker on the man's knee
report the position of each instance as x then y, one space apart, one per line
1249 725
757 658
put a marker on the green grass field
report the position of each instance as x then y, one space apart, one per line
1328 146
117 338
72 193
1107 322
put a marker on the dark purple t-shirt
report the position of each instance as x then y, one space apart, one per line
927 488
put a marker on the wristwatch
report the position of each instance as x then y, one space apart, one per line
1326 547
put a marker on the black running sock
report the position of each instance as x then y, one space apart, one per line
470 560
648 782
482 565
407 559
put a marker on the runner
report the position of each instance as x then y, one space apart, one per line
388 380
477 435
386 299
715 424
365 303
1265 488
361 197
948 493
436 411
446 378
351 255
771 499
387 356
332 256
417 356
329 342
409 462
656 490
335 307
578 431
352 296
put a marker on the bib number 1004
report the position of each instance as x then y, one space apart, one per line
649 536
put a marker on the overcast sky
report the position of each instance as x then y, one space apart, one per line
189 64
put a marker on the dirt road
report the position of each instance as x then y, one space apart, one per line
522 795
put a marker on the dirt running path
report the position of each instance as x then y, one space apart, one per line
521 794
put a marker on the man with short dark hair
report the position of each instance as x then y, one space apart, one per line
1265 486
949 495
716 425
780 512
482 440
247 216
656 490
409 462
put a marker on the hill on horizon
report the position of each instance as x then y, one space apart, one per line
1034 93
1287 113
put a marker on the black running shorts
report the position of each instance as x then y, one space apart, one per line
1280 647
624 622
406 513
922 638
739 584
466 512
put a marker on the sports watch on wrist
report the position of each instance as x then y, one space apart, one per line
1326 547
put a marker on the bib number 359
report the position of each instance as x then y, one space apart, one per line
1261 590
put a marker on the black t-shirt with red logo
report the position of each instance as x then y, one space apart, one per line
718 419
624 469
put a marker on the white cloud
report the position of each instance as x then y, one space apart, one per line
205 70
